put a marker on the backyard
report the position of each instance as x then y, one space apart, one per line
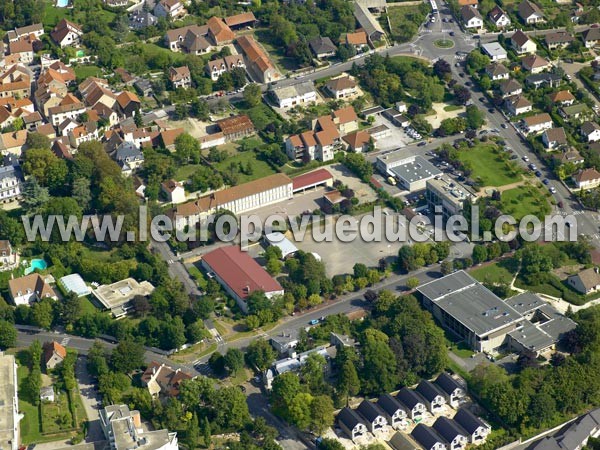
501 272
489 165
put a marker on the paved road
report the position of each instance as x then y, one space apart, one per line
90 399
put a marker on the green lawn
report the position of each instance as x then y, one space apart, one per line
87 307
276 52
83 72
453 107
489 165
498 272
260 168
185 172
53 15
30 424
523 200
405 20
54 413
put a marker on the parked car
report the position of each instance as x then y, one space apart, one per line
313 322
451 33
504 126
538 173
525 158
513 156
553 191
422 143
546 181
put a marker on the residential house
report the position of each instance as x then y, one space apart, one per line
85 132
236 128
537 123
34 31
351 423
495 51
16 82
143 87
358 141
163 380
9 258
69 107
554 138
258 63
22 50
544 79
322 47
535 64
125 76
301 93
451 389
192 39
172 9
219 32
369 24
54 354
105 113
590 131
562 98
129 157
123 430
285 342
373 416
530 13
497 71
218 67
517 104
29 288
180 77
471 3
510 87
476 428
345 119
242 20
521 43
66 73
586 281
140 19
66 127
471 17
451 432
328 140
586 178
129 103
13 142
590 37
575 435
578 111
11 182
358 40
320 177
393 411
569 156
498 17
434 399
61 149
428 438
558 39
341 87
32 121
412 402
168 137
174 191
66 34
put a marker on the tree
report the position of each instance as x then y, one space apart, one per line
71 309
8 335
357 163
379 368
285 387
442 68
96 360
412 283
260 354
475 118
477 61
312 372
37 140
479 254
42 313
127 356
321 414
360 270
330 444
187 148
206 432
299 410
447 267
192 432
234 360
253 94
45 166
348 382
462 94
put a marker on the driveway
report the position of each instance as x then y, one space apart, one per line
89 398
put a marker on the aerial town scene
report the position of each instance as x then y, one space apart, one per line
299 224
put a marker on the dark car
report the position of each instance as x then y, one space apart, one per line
546 181
461 75
482 99
421 144
560 205
513 156
538 173
503 125
468 83
451 33
491 110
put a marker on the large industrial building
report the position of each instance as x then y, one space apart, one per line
485 322
412 173
239 274
9 404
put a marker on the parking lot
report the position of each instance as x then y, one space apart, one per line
396 140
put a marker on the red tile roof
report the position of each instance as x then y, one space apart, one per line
242 274
311 178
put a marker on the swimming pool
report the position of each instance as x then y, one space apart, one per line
62 3
36 264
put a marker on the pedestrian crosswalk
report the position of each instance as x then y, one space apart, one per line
65 341
572 213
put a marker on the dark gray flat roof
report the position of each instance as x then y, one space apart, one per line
418 169
525 302
531 337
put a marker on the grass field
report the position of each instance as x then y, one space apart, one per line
524 200
53 15
488 166
30 425
185 172
53 414
83 72
276 52
260 168
498 272
405 20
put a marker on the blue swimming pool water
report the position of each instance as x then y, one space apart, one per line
62 3
36 264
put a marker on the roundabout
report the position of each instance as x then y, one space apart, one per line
444 43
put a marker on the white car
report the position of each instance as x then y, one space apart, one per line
552 189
